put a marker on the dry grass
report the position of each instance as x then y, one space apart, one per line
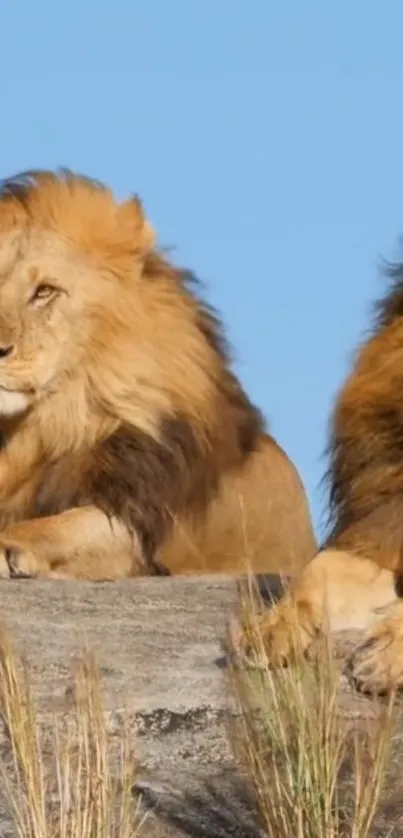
65 783
312 776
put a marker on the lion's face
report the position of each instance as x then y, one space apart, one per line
69 255
47 296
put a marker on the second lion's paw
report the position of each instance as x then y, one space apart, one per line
377 664
276 637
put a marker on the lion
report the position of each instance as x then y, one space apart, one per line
128 446
355 581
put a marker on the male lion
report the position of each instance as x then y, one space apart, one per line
356 579
128 446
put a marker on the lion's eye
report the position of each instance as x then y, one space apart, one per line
43 293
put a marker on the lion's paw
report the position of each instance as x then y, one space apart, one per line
276 637
17 562
377 664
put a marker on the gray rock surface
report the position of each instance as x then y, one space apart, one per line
158 645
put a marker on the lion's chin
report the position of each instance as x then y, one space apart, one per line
13 402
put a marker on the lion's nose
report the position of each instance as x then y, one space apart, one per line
6 350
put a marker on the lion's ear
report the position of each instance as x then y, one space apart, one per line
131 215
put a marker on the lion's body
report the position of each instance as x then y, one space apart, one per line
356 579
248 524
128 445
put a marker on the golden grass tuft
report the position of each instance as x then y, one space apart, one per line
66 782
313 775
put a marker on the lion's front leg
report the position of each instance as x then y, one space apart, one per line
80 543
336 591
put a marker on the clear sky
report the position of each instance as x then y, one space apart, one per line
266 140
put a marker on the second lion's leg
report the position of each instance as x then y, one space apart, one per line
335 591
81 543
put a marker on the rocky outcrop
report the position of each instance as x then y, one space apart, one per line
158 645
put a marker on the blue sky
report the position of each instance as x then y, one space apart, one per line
266 140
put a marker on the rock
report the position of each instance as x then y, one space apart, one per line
158 645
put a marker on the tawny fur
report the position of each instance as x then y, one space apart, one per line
356 579
127 443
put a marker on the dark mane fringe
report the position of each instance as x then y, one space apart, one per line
341 514
248 418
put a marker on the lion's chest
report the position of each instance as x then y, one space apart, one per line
16 505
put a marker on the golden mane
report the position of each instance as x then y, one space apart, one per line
190 362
